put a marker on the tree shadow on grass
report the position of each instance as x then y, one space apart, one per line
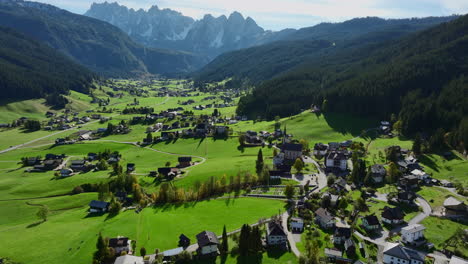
345 124
275 253
201 141
257 259
426 161
34 224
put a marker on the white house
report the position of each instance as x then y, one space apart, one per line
396 254
412 233
292 151
207 243
297 224
336 159
276 234
320 149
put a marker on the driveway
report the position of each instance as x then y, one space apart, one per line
321 177
291 237
427 210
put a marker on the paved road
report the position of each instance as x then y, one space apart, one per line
321 177
63 131
291 239
427 210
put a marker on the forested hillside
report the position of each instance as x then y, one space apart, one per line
29 69
95 44
264 62
417 78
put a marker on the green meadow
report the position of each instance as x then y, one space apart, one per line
71 234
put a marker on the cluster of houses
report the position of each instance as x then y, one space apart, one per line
336 155
170 173
49 163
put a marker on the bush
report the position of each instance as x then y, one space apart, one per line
77 190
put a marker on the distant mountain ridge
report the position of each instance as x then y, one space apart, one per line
95 44
263 62
165 28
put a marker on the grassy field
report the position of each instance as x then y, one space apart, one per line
436 195
71 235
440 230
455 168
34 109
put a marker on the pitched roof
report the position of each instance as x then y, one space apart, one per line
372 220
324 214
291 147
184 159
393 213
207 238
414 228
98 204
336 155
404 253
118 242
275 229
129 259
343 232
451 201
378 169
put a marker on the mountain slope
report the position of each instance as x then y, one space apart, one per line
169 29
267 61
415 77
29 69
95 44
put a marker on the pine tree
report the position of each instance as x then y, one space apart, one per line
259 162
417 144
224 244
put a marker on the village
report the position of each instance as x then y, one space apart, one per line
341 201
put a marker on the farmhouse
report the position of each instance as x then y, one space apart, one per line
395 253
78 165
454 207
33 161
370 222
66 173
120 244
276 234
324 218
52 164
292 151
406 196
412 233
297 224
184 162
336 160
409 181
252 137
131 167
98 206
320 149
341 235
207 243
378 173
392 216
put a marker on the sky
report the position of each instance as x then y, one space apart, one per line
280 14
